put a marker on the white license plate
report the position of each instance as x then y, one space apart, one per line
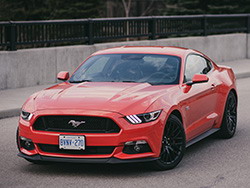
72 142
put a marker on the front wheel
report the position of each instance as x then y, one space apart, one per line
173 145
229 121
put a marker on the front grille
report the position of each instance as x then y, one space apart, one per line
62 124
89 150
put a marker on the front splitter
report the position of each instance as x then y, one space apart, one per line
111 160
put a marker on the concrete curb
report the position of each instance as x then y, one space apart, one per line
242 75
16 111
9 113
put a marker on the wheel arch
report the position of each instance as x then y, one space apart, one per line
177 113
235 93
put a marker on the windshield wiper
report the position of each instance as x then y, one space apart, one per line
80 81
129 81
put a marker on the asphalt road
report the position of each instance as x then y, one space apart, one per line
209 163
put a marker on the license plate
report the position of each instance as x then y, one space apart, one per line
72 142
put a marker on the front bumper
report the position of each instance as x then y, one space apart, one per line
111 160
150 132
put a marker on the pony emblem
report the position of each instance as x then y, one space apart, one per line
75 123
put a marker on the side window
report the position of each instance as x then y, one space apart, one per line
196 64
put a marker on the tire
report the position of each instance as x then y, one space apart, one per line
17 139
173 145
229 121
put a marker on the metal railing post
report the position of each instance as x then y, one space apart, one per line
248 23
205 25
90 32
11 36
152 28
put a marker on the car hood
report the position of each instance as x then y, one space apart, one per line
123 98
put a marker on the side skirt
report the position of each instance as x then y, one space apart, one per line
202 136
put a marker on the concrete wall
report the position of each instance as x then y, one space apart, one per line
32 67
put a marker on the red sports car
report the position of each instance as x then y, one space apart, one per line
130 104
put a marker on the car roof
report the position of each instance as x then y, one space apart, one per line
166 50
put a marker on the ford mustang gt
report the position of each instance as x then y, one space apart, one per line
130 104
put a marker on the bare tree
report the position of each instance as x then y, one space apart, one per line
148 9
127 6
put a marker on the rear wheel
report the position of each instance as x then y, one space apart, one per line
229 121
173 145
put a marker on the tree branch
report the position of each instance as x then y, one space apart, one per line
148 8
126 7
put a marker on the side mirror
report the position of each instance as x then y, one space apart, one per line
63 75
198 78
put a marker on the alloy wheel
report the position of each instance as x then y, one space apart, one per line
172 143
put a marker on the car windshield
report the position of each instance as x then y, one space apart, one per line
142 68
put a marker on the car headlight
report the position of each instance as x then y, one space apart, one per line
26 115
143 118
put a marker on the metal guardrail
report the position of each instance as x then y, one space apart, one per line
19 34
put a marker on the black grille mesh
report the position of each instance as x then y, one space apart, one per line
89 150
90 125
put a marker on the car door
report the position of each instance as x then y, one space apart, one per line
199 100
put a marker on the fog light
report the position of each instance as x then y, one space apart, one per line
139 146
26 143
